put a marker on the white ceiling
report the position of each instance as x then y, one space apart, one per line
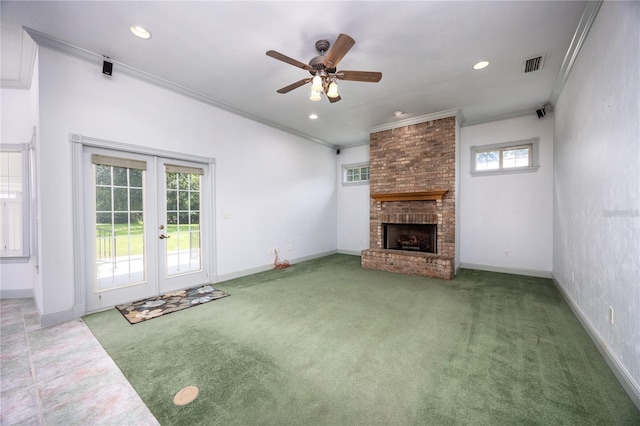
424 49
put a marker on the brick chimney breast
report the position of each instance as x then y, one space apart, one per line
412 180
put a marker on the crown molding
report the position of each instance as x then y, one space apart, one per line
454 112
584 25
28 49
96 58
515 114
353 145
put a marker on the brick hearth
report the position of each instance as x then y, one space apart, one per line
412 180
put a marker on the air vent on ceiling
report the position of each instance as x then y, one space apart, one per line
532 64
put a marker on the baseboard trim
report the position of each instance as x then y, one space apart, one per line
350 252
26 293
49 320
624 378
258 269
79 311
514 271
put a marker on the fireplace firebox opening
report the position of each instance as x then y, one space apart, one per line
410 237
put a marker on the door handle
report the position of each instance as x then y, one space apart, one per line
162 237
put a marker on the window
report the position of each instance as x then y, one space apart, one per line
503 158
14 201
355 174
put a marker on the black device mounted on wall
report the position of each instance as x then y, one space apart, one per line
107 68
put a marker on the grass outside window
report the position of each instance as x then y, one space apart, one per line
129 239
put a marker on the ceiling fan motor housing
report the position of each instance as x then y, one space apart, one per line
317 62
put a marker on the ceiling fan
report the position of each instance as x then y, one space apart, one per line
323 69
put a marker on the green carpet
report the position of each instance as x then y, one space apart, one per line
325 342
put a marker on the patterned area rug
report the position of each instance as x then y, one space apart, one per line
154 307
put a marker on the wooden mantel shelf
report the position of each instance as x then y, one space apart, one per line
409 196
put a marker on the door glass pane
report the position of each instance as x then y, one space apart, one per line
183 223
119 227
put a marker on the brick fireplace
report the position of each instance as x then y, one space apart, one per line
412 184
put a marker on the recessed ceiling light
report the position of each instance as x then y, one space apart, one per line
398 113
313 116
141 32
480 65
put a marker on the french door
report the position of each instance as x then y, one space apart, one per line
144 228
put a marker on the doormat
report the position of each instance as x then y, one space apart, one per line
164 304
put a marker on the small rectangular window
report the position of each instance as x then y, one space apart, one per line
355 174
509 157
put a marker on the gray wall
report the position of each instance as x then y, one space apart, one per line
597 186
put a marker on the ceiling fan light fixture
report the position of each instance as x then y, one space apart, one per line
315 95
316 83
141 32
333 90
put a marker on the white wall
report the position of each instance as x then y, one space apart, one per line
353 204
19 116
17 124
280 188
597 171
511 212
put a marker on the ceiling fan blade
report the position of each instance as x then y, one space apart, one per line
338 50
295 85
366 76
291 61
336 99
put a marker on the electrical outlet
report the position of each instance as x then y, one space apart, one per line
270 250
610 315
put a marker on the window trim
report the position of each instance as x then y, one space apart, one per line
532 143
347 167
25 151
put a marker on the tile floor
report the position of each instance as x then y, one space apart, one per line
60 375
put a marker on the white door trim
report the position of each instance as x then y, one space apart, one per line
77 170
178 281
